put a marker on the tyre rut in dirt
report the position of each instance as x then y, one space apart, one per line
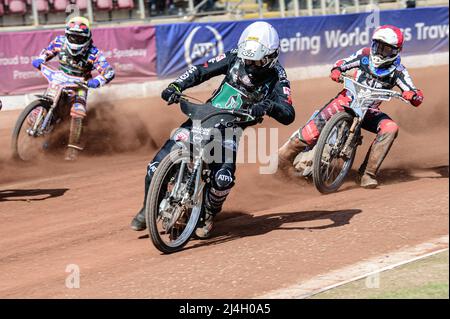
318 174
153 202
20 121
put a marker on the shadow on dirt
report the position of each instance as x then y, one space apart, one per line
28 195
235 225
387 176
401 175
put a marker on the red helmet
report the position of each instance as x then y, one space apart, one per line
387 42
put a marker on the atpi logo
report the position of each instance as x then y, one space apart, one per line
203 41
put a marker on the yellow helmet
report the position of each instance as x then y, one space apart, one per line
78 35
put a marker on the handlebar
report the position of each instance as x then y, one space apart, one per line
82 85
385 92
242 115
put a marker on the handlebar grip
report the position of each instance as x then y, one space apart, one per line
82 85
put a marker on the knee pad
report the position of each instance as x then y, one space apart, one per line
309 133
388 127
217 193
223 179
78 110
387 131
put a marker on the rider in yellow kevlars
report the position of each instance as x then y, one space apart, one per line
78 57
378 67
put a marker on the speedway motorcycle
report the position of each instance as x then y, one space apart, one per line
174 204
32 132
330 160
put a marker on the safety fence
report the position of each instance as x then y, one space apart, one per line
144 53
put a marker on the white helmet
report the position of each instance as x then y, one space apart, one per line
259 45
387 42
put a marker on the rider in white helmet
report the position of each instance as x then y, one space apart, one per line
254 75
259 48
378 66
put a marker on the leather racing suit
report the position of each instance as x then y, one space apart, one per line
375 121
273 85
82 66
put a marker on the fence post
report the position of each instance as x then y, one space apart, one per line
90 12
191 6
356 2
260 9
35 13
309 4
323 6
142 9
296 8
282 8
337 6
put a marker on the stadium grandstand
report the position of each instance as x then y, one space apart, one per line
52 13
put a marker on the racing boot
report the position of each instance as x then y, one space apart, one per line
138 223
211 208
205 226
288 152
374 158
74 147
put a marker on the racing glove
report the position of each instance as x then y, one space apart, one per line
260 109
414 97
170 94
37 63
336 75
93 83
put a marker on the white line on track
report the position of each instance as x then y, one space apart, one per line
360 270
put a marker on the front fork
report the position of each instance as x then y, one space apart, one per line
38 130
191 193
347 150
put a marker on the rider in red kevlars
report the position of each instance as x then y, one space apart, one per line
378 67
78 57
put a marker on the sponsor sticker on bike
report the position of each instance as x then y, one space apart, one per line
228 98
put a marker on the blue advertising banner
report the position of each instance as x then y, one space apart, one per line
304 40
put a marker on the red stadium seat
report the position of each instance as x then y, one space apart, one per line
17 6
59 5
104 5
81 4
2 9
42 6
125 4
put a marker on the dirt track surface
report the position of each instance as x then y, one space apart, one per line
271 234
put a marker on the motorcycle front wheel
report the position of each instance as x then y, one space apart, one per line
26 145
330 167
171 224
